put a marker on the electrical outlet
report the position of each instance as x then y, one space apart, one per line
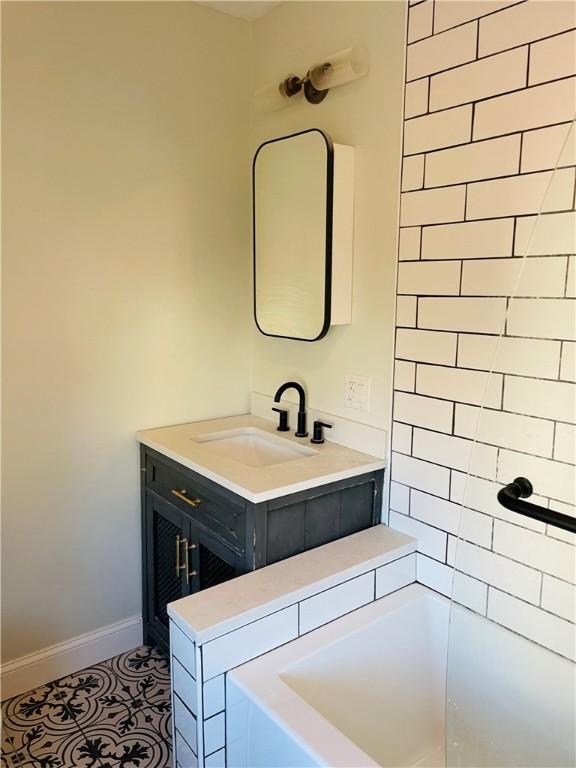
357 392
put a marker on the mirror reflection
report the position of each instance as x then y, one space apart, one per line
292 189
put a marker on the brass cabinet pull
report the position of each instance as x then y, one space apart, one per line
190 547
184 567
182 496
186 564
178 555
179 567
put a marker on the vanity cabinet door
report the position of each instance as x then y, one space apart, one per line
167 540
210 562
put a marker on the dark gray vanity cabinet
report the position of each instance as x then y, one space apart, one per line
196 534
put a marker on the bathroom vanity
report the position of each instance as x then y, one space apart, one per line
224 497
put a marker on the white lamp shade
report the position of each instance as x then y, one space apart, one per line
340 68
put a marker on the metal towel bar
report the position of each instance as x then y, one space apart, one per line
512 495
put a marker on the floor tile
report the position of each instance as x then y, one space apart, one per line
42 706
115 714
33 748
131 691
109 749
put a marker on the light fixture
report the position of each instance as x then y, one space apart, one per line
338 69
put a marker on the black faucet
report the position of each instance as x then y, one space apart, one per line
301 431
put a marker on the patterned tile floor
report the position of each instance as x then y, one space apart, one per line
113 715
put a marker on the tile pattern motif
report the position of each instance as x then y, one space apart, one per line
485 284
115 714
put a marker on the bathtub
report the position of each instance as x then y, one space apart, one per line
369 689
365 690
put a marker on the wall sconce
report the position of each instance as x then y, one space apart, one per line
338 69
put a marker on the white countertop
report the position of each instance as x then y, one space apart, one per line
332 462
225 607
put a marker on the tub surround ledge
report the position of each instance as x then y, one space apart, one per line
225 607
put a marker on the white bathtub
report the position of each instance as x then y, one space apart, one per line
369 690
365 690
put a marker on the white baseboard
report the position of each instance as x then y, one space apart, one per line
62 659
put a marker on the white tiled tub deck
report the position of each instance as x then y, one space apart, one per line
215 631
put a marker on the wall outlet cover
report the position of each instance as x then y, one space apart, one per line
357 392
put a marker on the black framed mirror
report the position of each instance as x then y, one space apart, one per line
292 197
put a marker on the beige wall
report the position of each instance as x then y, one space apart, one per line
364 114
126 274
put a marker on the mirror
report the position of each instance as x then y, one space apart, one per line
292 197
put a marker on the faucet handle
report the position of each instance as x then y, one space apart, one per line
318 435
283 425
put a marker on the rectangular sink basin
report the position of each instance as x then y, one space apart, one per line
253 447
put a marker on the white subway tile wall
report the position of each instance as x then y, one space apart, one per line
185 684
462 314
337 601
555 234
535 107
216 759
236 647
540 148
416 98
426 347
568 361
555 479
185 724
398 574
420 21
399 497
571 279
540 276
479 80
413 172
214 696
214 733
468 240
431 206
410 243
402 441
553 58
489 244
440 129
524 23
460 384
406 311
431 541
470 162
455 452
442 51
424 411
559 597
405 376
544 628
448 13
